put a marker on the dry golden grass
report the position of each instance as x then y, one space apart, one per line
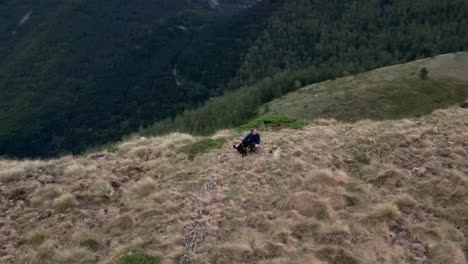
63 202
74 170
306 197
76 255
144 187
386 212
447 252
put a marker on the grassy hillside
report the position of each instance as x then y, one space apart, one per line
387 93
336 193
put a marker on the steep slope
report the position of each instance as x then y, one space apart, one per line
371 192
78 73
388 93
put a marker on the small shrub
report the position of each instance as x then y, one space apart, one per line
139 258
62 203
203 146
361 157
273 122
424 74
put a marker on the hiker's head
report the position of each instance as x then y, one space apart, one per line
253 131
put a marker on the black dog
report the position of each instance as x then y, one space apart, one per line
242 148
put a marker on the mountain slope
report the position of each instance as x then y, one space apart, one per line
388 93
371 192
81 73
342 37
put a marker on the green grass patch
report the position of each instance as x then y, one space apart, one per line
392 93
139 258
203 146
361 157
273 122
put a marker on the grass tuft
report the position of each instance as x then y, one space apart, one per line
89 239
361 156
44 254
62 203
46 193
446 252
144 187
101 191
36 238
310 205
386 212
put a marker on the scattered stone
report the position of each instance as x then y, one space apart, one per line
209 186
223 158
185 259
193 239
420 172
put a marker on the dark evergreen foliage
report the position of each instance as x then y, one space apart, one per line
307 41
81 73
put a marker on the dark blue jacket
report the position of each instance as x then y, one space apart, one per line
252 139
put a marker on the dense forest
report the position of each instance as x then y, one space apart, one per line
309 41
80 73
90 72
